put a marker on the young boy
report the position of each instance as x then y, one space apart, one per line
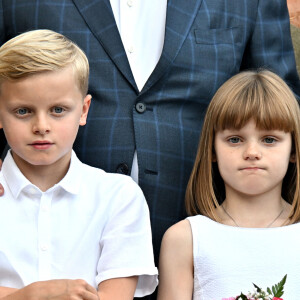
67 230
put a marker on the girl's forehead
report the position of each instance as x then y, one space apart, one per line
252 130
251 124
259 121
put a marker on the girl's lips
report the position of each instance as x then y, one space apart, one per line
252 168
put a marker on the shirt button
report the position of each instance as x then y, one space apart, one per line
140 107
44 247
129 3
130 49
45 208
32 191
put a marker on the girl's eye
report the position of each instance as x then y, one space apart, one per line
22 111
269 140
234 140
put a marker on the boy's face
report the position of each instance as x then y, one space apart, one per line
40 116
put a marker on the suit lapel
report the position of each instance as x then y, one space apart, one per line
180 17
99 17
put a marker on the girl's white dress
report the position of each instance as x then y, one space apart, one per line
227 259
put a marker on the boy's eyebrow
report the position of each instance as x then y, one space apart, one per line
14 102
54 101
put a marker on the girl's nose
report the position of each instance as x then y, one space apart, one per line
252 152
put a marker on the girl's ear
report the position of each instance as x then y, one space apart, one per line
214 157
293 158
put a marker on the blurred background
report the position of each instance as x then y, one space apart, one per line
294 9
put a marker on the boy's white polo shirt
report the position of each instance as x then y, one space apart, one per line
91 225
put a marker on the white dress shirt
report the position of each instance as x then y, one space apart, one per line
91 225
141 24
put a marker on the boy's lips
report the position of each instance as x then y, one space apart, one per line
41 145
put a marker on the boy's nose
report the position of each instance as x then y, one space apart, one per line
252 152
41 126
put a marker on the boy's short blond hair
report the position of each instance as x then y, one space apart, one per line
40 51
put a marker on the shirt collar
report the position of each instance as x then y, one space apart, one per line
72 180
17 182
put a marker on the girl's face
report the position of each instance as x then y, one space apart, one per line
251 161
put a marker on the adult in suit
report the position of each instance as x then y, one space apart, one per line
205 43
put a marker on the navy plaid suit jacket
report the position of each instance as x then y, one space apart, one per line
206 42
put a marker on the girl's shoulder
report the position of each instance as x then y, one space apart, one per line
180 230
176 263
176 251
178 237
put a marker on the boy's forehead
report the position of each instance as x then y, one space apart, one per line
57 83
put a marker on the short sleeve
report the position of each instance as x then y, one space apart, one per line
126 242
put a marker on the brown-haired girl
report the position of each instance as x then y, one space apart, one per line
242 197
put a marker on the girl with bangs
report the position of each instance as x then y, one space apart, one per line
242 197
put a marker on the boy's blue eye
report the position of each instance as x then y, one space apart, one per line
58 110
22 111
234 140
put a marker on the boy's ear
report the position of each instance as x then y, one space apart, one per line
85 109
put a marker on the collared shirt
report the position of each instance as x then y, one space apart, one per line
141 25
91 225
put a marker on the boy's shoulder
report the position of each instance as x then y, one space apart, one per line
98 174
110 190
100 180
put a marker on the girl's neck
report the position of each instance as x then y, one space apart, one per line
254 212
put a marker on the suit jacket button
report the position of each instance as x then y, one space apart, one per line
122 169
140 107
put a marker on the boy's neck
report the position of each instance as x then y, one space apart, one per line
44 176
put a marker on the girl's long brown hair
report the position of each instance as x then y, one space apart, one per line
259 95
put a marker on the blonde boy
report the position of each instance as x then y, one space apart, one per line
67 230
